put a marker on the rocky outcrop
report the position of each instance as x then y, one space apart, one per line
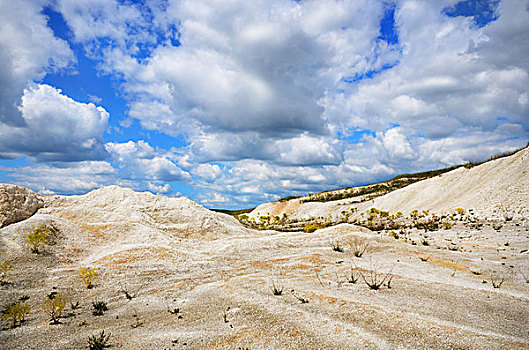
17 204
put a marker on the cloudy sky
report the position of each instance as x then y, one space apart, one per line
236 102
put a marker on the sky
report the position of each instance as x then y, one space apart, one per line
233 103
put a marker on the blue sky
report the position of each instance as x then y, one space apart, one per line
237 103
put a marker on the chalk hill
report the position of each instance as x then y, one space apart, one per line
492 187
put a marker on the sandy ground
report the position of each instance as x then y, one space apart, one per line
439 298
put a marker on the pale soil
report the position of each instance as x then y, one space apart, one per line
176 254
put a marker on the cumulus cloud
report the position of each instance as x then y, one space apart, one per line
448 78
63 178
56 128
166 188
244 68
28 49
140 161
274 97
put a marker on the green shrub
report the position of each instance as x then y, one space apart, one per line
5 266
89 276
99 308
311 227
16 313
98 342
446 225
37 237
460 211
53 305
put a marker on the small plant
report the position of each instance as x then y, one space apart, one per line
353 276
446 225
300 298
129 295
497 226
359 247
74 306
99 308
137 323
5 266
16 313
337 247
37 237
453 247
375 279
53 305
175 311
310 227
460 211
496 281
98 342
89 276
525 276
424 258
425 242
276 286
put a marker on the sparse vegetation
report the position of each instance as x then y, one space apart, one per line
5 267
496 280
337 247
375 279
99 308
37 237
460 211
359 247
137 322
300 298
446 225
17 312
53 305
128 294
175 311
98 342
310 227
276 286
89 276
353 275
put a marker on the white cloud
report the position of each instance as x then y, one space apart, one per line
139 161
244 68
64 178
396 144
56 127
270 97
207 172
28 49
159 188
